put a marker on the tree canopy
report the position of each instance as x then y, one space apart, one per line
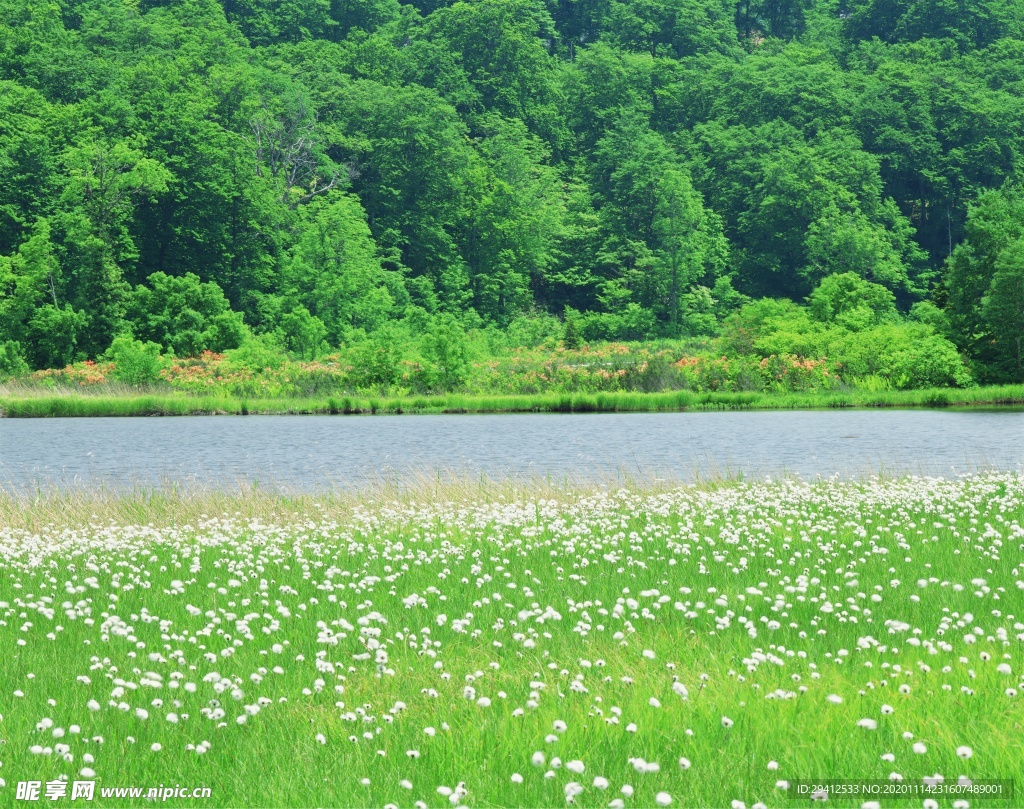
193 174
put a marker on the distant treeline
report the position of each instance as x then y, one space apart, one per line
313 176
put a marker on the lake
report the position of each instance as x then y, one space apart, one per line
312 452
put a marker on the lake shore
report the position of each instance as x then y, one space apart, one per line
73 403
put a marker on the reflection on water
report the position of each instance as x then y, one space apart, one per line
317 451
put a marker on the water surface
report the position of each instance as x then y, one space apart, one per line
310 452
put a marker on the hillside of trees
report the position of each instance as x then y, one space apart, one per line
309 176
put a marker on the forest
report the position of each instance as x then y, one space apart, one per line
826 189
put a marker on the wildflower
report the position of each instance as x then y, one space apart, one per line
663 799
964 752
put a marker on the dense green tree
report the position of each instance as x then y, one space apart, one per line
335 270
337 170
1003 309
674 28
415 188
104 181
969 23
851 302
514 219
995 223
33 312
183 315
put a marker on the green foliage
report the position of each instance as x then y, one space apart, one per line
982 287
1003 308
376 361
849 301
303 333
184 315
337 174
335 270
12 363
135 362
445 350
571 338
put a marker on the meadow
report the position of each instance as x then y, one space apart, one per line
659 645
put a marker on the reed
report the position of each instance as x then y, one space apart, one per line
16 403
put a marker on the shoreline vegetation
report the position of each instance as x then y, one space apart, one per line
26 403
177 504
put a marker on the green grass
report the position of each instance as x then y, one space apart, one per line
36 404
875 591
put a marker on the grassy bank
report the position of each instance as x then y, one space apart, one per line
691 646
35 404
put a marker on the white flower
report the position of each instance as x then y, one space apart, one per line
321 739
538 759
964 752
600 782
156 747
835 699
887 710
684 763
773 765
663 799
517 778
870 724
919 748
575 766
727 722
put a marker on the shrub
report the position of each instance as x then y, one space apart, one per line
135 362
184 315
12 362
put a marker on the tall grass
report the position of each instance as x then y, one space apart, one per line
20 403
692 647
